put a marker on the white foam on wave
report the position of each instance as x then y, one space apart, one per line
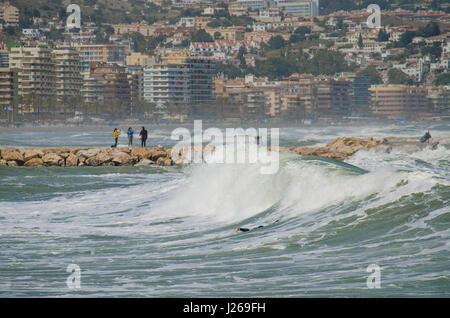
399 159
234 192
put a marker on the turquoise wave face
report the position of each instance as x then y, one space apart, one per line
159 232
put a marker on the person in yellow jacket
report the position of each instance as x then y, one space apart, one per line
116 137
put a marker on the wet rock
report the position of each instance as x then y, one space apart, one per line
144 162
87 153
141 153
12 155
29 154
122 158
12 163
158 154
92 162
164 162
71 160
34 162
52 159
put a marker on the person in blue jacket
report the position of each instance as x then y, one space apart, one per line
130 133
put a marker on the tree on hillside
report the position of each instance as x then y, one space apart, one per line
431 29
299 34
434 50
360 41
276 42
372 74
406 38
443 79
230 71
201 36
240 56
396 76
383 36
275 68
325 62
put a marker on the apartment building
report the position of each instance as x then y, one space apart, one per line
439 98
292 107
144 29
4 58
326 96
255 4
92 90
115 82
399 100
139 59
180 80
167 83
101 53
8 88
36 74
305 8
333 96
235 33
136 82
69 80
237 9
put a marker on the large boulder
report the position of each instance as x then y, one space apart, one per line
12 155
29 154
164 162
52 159
100 159
104 157
34 162
88 153
155 155
92 161
71 160
141 153
122 158
144 162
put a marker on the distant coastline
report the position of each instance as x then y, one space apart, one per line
218 123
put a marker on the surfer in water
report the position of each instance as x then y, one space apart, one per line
426 137
244 229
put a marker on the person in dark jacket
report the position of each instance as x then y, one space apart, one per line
426 137
143 135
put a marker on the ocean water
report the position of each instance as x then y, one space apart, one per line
169 232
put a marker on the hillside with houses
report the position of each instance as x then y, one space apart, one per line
277 61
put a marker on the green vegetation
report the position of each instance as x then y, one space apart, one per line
434 50
230 71
201 36
383 36
324 62
396 76
372 74
442 79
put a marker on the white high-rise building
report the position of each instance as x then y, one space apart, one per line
314 8
303 8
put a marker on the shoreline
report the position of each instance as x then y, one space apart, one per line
221 124
340 148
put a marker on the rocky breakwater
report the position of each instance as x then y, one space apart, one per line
344 147
73 157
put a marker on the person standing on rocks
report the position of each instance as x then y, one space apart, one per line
116 138
143 136
130 133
